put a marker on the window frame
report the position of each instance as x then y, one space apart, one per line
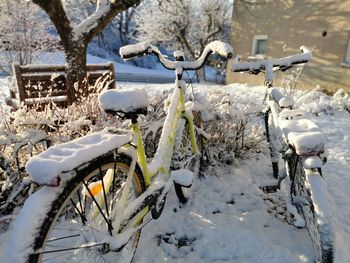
256 38
347 53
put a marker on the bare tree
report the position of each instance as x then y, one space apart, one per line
24 32
188 25
76 36
185 24
125 25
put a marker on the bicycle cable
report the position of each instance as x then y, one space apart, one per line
190 83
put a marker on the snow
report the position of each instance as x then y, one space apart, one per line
4 91
30 138
92 21
223 49
304 135
227 218
45 99
286 113
318 189
182 177
161 156
286 102
179 54
218 47
37 205
125 101
45 167
119 67
130 51
312 162
267 65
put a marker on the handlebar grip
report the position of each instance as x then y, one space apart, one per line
223 49
130 51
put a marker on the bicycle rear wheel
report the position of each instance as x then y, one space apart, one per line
79 218
319 228
183 154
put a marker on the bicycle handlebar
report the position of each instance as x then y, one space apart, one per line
267 65
130 51
221 48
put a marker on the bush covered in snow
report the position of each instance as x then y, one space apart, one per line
231 128
231 119
317 102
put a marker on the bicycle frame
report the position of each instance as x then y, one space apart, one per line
125 215
271 108
159 167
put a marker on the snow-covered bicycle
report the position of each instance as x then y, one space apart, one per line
15 185
302 144
99 188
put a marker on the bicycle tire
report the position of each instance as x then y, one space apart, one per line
321 235
183 153
271 138
63 211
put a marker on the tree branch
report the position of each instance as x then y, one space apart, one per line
217 31
104 13
58 16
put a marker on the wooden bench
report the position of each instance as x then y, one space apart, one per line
42 84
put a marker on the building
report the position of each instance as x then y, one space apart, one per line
277 28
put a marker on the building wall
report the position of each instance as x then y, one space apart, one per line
321 25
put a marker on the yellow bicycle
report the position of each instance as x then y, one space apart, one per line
99 188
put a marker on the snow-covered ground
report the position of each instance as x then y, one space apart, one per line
4 91
228 219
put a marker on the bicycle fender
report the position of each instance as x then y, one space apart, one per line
59 161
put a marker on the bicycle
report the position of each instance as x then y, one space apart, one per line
15 185
98 189
302 144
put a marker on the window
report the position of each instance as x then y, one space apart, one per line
347 55
259 46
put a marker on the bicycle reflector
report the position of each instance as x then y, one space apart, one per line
94 187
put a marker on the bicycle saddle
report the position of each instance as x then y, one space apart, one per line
304 135
127 102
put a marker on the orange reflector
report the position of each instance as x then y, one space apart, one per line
95 188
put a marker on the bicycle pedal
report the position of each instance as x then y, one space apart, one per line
182 177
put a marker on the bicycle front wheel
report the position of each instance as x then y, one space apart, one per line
307 189
80 218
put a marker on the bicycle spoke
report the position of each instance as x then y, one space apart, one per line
68 229
82 223
114 173
60 238
56 246
81 206
82 216
104 192
110 228
68 249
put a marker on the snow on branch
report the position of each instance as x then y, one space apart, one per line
105 11
86 26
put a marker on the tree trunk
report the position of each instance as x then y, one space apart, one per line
75 44
76 80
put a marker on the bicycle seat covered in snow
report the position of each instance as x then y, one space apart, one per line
124 101
304 135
